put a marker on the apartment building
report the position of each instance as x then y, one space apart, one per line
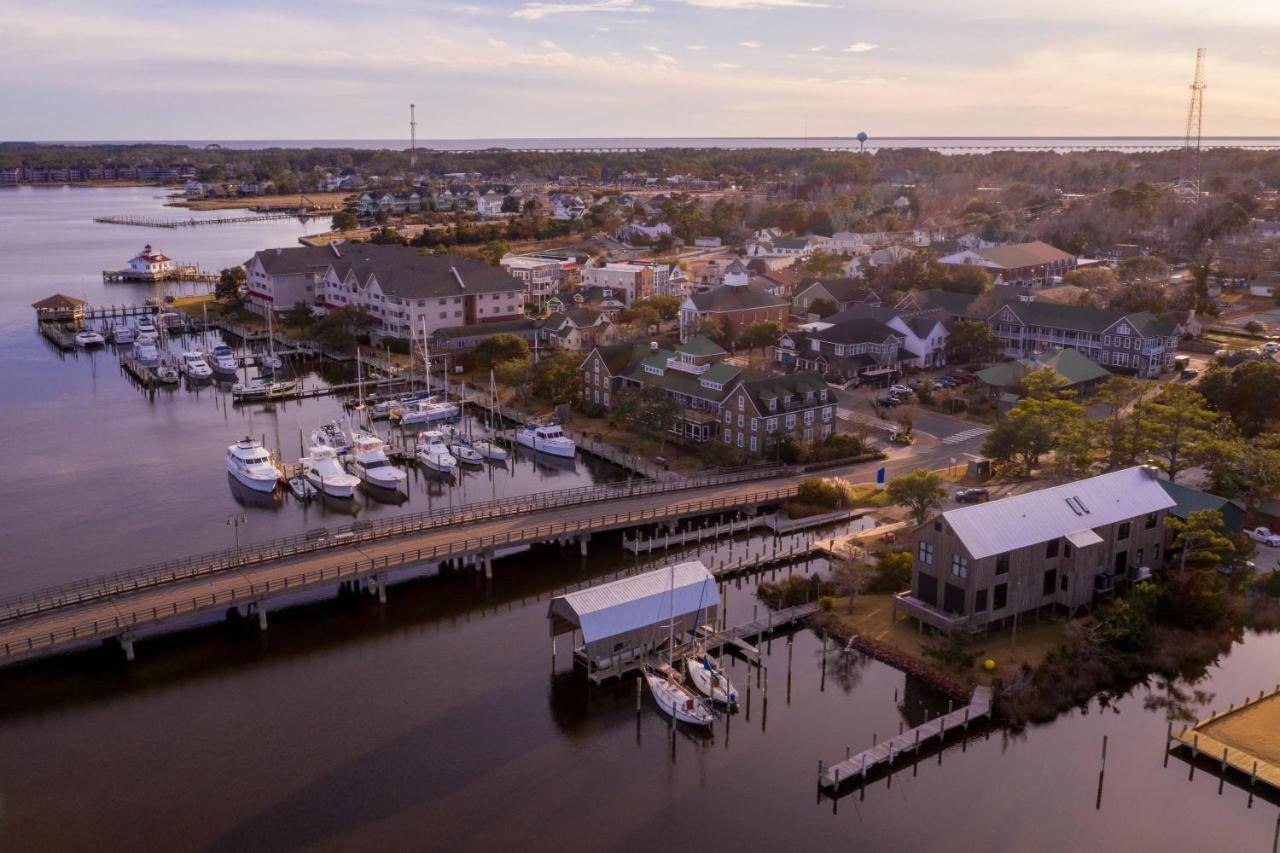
1138 342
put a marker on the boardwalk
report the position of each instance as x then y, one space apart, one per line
151 222
884 753
125 607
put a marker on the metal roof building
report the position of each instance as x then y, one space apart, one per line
624 621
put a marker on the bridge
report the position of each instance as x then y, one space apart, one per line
155 599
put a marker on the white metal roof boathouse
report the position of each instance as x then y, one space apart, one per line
617 625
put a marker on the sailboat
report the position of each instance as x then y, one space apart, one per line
264 386
486 447
429 408
707 675
668 689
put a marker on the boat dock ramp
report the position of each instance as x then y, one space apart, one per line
855 768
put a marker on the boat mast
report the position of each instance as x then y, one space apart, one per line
671 604
426 355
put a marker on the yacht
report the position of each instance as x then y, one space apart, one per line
146 350
223 359
432 452
490 450
384 408
146 326
332 436
167 374
89 338
194 365
428 410
122 334
547 438
369 462
250 463
261 389
465 453
323 470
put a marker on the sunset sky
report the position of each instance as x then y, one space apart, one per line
608 68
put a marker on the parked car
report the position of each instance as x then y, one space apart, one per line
946 382
1190 373
900 390
1265 536
964 376
971 496
889 401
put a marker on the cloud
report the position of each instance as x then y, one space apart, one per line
757 4
653 49
548 45
670 60
496 42
860 47
697 47
748 44
537 11
818 49
727 65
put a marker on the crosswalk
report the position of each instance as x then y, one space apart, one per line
966 435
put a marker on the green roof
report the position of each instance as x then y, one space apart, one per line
701 345
955 304
485 329
1073 366
1189 500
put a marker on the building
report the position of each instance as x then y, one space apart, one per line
843 293
1078 374
982 564
375 202
634 281
463 339
1138 343
281 278
541 276
490 204
860 347
794 248
576 328
737 300
408 293
1189 500
1024 264
758 410
150 265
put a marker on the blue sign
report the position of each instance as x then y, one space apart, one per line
879 478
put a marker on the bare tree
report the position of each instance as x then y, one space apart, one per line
850 578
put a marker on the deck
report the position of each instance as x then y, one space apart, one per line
884 753
1242 738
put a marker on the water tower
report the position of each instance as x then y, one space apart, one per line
862 140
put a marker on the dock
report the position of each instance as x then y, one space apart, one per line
857 767
1236 740
57 334
772 521
152 222
186 273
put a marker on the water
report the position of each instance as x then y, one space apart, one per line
435 721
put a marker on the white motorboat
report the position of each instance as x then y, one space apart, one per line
89 338
547 438
369 462
250 463
168 375
302 490
122 334
146 350
194 365
323 470
146 326
675 699
432 453
465 453
262 389
706 674
223 359
490 450
332 435
428 411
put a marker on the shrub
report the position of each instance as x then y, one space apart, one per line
819 492
892 572
400 346
795 590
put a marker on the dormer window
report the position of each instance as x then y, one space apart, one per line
773 404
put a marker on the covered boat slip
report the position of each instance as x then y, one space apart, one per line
624 622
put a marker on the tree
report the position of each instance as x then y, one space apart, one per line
1174 425
298 316
759 335
339 328
974 340
1140 296
718 329
824 264
920 491
823 307
639 316
646 410
496 349
1142 268
387 236
230 281
1201 539
963 279
511 204
1045 419
1092 278
850 578
1117 440
667 307
514 374
345 220
555 378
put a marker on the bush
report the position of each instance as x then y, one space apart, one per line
835 447
400 346
818 492
793 591
1273 585
892 573
715 454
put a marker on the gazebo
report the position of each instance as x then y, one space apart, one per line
60 308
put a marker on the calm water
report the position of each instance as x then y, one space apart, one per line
436 722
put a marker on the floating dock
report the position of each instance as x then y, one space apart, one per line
1244 738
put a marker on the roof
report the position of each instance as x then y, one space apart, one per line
1019 255
486 329
728 297
1189 500
290 260
777 386
702 346
844 289
855 330
955 304
59 301
1025 520
618 357
401 271
1081 318
640 601
1072 365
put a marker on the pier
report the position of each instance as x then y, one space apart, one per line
857 767
1239 741
183 273
151 222
773 522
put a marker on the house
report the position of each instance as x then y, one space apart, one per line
60 308
1138 342
1078 374
407 293
387 202
541 276
780 283
566 208
1032 264
1189 500
886 257
957 306
601 299
576 328
281 278
861 347
980 565
784 247
150 265
700 242
843 293
490 204
628 280
759 410
463 339
740 302
630 231
923 333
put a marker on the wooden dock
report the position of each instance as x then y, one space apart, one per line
1204 740
183 273
57 335
857 767
152 222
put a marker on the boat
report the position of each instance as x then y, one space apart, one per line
302 490
490 450
383 408
262 389
250 463
271 361
432 453
223 359
675 699
194 365
122 334
332 435
707 675
547 438
146 326
369 462
146 350
427 411
323 470
89 338
465 453
167 374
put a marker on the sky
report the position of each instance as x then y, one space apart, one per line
324 69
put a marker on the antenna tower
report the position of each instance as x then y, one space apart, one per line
413 139
1189 177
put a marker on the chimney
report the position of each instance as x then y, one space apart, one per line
653 346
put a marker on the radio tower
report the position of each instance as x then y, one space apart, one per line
1189 177
413 139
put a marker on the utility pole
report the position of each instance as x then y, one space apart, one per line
413 139
1189 172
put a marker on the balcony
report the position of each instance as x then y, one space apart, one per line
907 603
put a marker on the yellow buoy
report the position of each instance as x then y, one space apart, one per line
988 664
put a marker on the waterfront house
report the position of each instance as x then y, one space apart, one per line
761 409
980 565
576 328
843 293
60 308
281 278
460 340
150 265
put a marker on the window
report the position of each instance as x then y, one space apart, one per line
980 601
1000 596
1051 549
771 425
741 420
925 553
959 565
1155 553
739 439
1137 557
1050 581
1062 583
1151 521
742 403
1002 564
1122 532
755 424
753 444
1066 550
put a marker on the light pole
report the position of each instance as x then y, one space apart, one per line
234 522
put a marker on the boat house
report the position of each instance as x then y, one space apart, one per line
617 625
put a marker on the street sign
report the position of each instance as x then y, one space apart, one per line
879 479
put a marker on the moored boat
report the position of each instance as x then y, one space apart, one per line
706 674
547 438
433 454
86 338
122 333
223 359
195 367
675 699
302 490
370 463
490 450
250 463
323 470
